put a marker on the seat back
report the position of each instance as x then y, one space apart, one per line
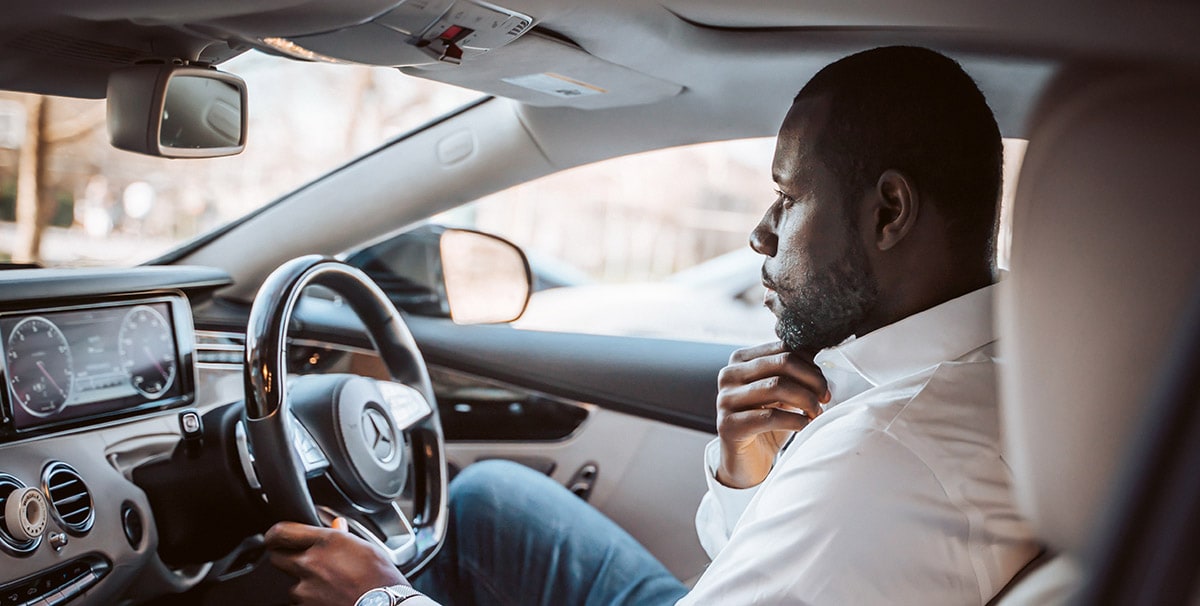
1105 254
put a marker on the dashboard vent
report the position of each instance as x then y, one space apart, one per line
7 485
69 497
220 348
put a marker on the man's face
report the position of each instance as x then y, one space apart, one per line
819 281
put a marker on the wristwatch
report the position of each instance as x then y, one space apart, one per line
387 596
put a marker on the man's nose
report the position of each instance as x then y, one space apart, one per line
762 238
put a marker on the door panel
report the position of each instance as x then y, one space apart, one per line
645 475
671 381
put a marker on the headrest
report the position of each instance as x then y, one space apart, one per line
1105 252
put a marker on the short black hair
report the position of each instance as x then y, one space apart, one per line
916 111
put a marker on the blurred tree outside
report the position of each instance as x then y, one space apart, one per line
36 205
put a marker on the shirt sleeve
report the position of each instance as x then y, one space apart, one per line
849 518
721 506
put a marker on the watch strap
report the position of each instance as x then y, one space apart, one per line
394 595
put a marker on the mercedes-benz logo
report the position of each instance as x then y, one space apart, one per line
378 434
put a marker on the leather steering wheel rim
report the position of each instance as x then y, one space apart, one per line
268 410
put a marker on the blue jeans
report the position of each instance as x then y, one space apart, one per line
518 538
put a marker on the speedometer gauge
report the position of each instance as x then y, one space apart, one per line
147 351
40 372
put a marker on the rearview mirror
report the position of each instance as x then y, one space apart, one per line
177 112
468 276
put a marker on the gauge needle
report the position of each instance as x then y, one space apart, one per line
150 354
52 381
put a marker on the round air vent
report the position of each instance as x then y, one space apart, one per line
70 499
9 484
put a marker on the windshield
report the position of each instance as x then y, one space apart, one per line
68 198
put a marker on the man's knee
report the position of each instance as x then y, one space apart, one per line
491 482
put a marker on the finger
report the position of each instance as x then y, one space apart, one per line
787 364
288 563
750 423
772 391
302 593
295 595
293 536
749 353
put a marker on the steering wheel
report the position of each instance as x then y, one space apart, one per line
351 439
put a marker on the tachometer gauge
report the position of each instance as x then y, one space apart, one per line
147 351
40 372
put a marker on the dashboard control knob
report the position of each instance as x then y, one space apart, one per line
26 513
191 426
58 540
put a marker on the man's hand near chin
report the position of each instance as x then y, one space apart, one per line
332 567
765 393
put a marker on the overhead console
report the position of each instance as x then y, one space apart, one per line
481 46
545 71
415 32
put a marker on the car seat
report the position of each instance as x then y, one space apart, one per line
1092 318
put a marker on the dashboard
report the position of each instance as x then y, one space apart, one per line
108 493
100 378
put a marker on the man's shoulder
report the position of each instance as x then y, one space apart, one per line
957 391
944 410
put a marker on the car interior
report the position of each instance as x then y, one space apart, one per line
157 418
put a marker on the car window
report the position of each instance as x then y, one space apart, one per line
654 244
103 206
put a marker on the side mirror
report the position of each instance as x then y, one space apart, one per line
177 112
468 276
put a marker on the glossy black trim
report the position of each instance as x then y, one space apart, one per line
670 381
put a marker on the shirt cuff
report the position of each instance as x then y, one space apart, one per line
722 507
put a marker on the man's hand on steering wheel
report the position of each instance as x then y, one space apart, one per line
331 566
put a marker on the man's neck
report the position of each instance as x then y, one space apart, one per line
914 298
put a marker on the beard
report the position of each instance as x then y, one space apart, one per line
826 305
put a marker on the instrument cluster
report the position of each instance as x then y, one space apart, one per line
65 365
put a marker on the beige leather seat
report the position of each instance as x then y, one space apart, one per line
1105 256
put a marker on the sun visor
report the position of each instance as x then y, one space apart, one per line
543 71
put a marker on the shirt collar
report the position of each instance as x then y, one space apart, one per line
944 332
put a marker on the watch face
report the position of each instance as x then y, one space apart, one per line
375 597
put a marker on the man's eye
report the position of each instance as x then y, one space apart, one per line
784 199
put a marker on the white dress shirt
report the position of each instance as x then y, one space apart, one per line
897 494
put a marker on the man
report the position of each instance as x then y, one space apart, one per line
858 458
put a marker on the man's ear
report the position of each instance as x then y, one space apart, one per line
899 205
